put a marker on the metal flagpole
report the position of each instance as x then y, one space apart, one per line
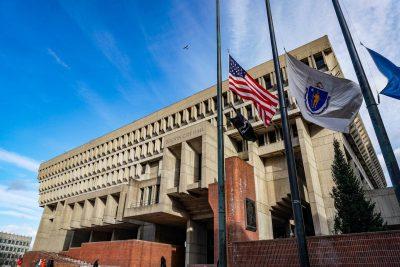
221 158
380 131
294 188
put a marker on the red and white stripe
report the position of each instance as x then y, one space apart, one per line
249 89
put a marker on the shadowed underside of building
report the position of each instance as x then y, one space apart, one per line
154 179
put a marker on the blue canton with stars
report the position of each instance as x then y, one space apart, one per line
235 69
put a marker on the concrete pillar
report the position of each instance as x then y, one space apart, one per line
98 212
44 231
265 229
61 237
121 203
187 166
168 169
87 212
209 159
196 243
76 216
111 210
312 178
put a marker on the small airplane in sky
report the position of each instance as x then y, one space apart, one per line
186 47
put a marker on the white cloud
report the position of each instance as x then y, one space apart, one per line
57 58
20 203
19 160
21 207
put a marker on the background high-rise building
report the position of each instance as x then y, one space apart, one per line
12 247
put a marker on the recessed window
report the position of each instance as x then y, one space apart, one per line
249 111
261 139
271 137
268 81
305 61
319 62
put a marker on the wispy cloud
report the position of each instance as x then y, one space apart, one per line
57 58
19 160
97 104
107 44
20 206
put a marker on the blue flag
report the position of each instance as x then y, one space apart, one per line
391 71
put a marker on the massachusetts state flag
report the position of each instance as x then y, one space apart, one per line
323 99
241 83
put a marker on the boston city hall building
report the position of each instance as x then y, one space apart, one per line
154 181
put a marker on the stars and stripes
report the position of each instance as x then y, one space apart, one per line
241 83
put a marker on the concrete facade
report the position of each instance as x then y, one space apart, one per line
149 179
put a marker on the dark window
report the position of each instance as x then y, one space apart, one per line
287 99
305 61
294 130
141 196
225 99
143 169
228 122
206 106
150 193
268 82
157 193
249 112
261 139
319 62
285 81
272 137
239 145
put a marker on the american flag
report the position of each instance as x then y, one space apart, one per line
241 83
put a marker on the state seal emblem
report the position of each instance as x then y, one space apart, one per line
316 99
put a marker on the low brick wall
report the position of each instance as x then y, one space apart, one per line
133 253
371 249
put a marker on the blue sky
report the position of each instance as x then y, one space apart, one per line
74 70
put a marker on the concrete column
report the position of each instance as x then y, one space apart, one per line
76 216
61 237
98 212
67 216
111 210
187 166
87 212
44 231
168 172
265 229
312 178
121 202
196 243
209 159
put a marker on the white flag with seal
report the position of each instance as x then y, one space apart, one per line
323 99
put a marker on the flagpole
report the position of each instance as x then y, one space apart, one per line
294 188
221 158
379 127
